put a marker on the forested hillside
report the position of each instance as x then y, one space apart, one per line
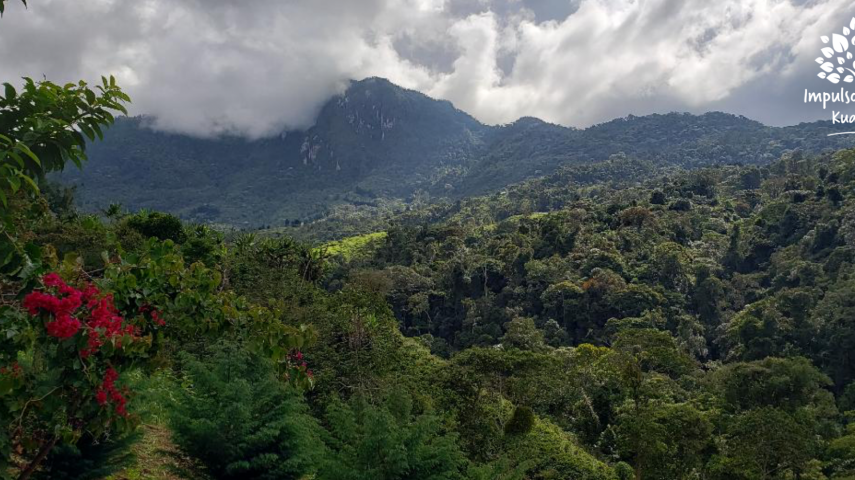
378 147
696 324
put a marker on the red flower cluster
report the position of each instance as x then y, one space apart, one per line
104 323
155 314
297 359
15 370
104 320
109 392
70 310
61 306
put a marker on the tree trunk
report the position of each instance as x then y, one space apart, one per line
46 448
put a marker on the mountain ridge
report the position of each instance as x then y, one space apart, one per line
377 143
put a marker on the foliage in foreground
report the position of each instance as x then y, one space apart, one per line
241 421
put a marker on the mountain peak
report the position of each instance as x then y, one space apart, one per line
380 81
379 88
374 105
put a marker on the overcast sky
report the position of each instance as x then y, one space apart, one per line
257 67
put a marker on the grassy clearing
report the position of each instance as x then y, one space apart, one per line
350 247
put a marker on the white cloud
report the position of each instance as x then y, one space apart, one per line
614 57
257 67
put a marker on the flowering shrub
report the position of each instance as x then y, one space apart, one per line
65 347
101 323
68 305
66 350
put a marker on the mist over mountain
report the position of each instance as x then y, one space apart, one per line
378 142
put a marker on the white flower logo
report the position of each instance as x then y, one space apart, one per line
839 51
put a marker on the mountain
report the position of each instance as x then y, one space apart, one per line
374 140
533 148
378 142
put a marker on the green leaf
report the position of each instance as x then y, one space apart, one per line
29 153
14 183
6 385
79 138
30 182
76 159
17 158
90 134
10 91
98 131
5 260
33 250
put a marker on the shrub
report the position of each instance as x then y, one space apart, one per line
162 226
90 458
241 421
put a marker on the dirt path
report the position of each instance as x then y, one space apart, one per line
159 459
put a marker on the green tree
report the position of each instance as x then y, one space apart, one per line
835 315
785 383
162 226
388 441
523 334
241 421
764 444
666 440
841 454
649 430
44 126
90 458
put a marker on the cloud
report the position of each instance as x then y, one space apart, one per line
207 67
615 57
257 67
